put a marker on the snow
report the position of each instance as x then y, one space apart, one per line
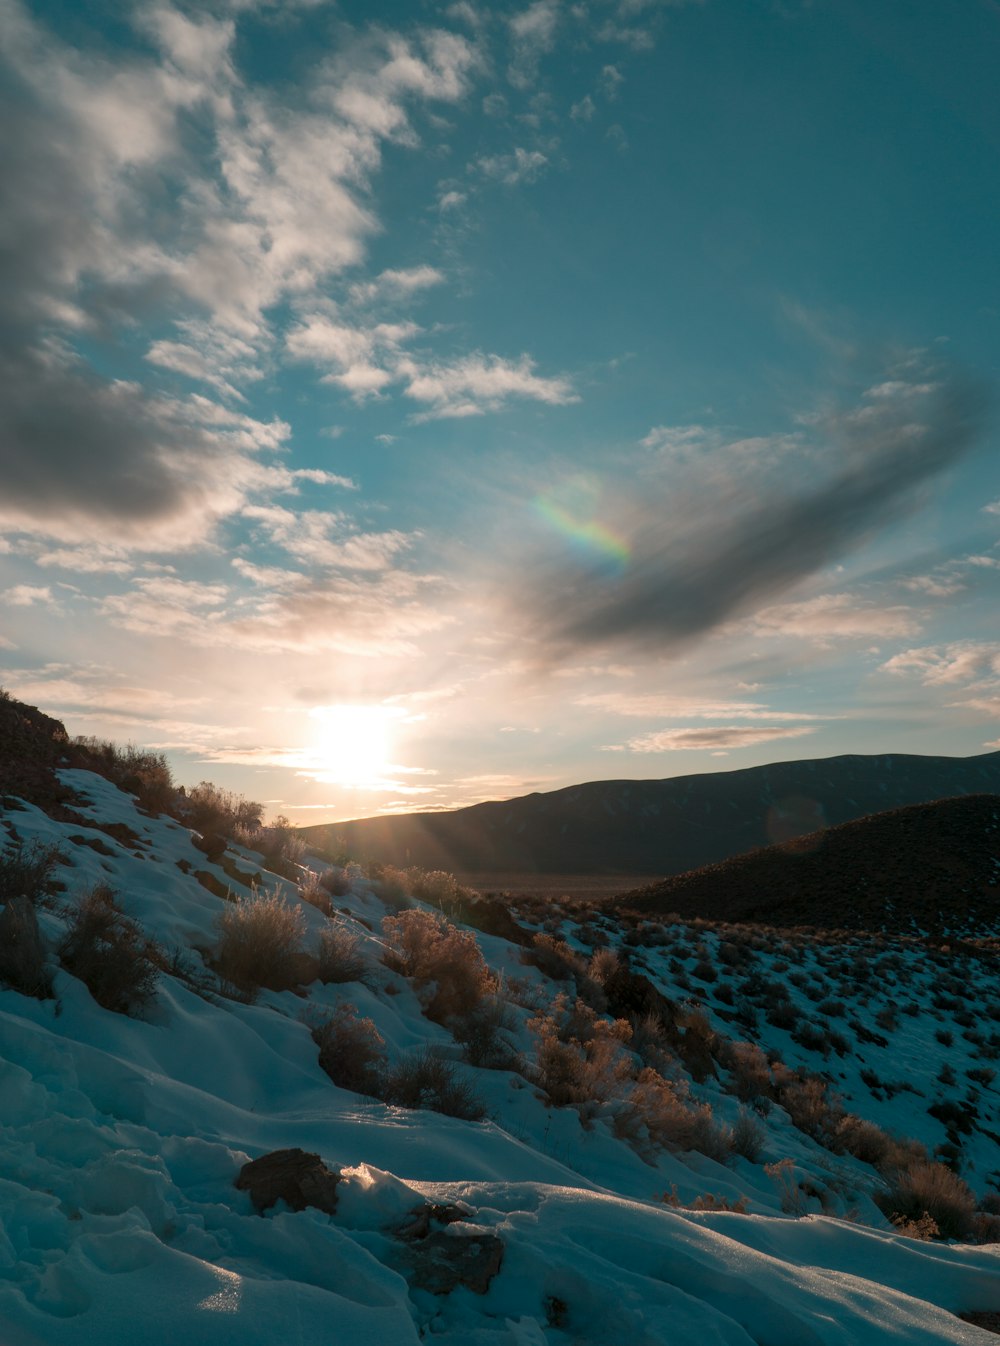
120 1139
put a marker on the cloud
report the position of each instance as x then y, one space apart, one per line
934 586
697 558
959 661
320 538
709 737
843 616
94 560
532 33
367 360
512 169
66 690
373 614
584 110
687 707
159 187
479 383
27 596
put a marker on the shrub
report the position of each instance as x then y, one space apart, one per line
707 1201
579 1059
109 953
281 848
22 953
259 944
697 1043
604 965
436 887
335 881
391 885
25 870
351 1051
810 1108
749 1072
313 891
444 962
427 1081
555 958
790 1193
483 1033
931 1189
748 1136
660 1115
209 808
136 770
340 956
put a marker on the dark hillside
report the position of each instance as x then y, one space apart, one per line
31 744
658 826
931 868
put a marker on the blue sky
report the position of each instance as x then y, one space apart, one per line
410 404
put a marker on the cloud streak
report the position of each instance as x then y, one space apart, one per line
726 552
710 738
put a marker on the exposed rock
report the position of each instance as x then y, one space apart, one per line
293 1176
419 1225
444 1260
31 744
440 1260
22 953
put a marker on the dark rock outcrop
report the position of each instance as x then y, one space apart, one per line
31 745
440 1260
294 1176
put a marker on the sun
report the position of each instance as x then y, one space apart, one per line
352 744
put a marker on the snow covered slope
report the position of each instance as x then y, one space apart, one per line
121 1139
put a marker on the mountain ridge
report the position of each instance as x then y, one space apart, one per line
667 826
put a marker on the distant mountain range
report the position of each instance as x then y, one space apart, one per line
929 869
659 826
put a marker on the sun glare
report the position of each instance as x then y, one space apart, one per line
352 744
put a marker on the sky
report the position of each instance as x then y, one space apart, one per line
409 404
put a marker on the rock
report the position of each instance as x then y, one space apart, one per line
22 953
419 1225
293 1176
440 1260
447 1259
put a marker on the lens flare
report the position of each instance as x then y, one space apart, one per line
574 516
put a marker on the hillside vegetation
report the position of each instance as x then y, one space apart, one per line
931 868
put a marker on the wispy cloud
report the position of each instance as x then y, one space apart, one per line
656 706
532 33
709 737
842 616
957 662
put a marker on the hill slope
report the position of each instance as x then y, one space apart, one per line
659 827
121 1137
930 867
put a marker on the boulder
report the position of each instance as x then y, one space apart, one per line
293 1176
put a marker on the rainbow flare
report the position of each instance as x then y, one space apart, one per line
588 534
